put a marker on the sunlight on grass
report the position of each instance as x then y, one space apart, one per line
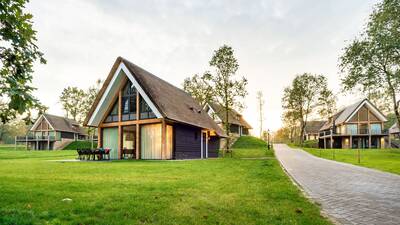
214 191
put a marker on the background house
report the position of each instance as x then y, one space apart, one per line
238 125
311 131
360 125
138 112
394 131
52 132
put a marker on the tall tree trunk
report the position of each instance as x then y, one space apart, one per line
227 126
293 133
302 127
396 109
394 99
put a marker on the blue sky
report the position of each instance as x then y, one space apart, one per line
273 41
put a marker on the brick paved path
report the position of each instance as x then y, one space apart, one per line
349 194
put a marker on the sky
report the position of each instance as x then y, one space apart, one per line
273 40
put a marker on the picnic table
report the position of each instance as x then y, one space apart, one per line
92 154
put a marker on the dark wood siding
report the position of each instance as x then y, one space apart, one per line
213 147
187 142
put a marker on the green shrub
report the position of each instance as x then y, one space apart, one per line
310 144
80 144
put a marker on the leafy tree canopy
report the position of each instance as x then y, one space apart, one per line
221 86
371 62
306 94
199 87
18 52
77 102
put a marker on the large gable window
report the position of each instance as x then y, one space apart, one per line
113 115
128 107
145 110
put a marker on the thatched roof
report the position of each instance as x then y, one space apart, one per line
233 118
173 103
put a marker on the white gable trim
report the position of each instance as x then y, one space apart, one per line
218 119
371 108
37 122
106 99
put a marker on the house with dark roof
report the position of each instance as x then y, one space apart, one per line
394 131
138 112
238 125
311 131
360 125
52 132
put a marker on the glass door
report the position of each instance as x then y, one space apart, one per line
110 140
129 141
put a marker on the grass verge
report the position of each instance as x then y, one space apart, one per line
381 159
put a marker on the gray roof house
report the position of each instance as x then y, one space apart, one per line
359 125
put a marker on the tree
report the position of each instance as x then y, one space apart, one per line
90 97
260 102
72 100
371 62
221 86
282 135
327 103
381 100
199 87
77 102
18 52
39 109
228 90
290 123
391 120
305 95
15 127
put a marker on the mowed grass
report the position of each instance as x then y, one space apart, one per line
381 159
250 147
213 191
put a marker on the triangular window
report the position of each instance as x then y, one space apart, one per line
145 110
372 117
354 118
113 115
128 107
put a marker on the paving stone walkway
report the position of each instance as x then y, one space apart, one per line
349 194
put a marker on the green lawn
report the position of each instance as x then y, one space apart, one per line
214 191
382 159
